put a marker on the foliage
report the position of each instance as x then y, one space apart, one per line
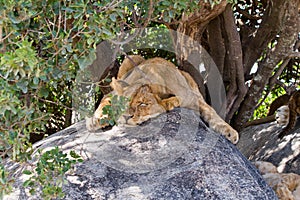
45 43
262 110
5 182
50 172
114 110
216 2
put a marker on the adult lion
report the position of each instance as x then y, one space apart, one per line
155 86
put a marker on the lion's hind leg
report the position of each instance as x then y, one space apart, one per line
294 109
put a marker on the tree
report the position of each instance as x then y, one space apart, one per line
44 45
261 32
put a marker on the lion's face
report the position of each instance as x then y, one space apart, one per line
143 106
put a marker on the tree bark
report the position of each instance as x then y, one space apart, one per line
289 29
234 61
272 23
217 44
189 49
191 28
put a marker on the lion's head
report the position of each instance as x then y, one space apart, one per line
144 105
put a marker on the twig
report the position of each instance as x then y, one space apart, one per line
55 103
110 5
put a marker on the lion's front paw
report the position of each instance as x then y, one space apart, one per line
231 134
93 123
226 130
170 103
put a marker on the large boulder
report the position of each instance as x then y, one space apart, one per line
261 143
174 156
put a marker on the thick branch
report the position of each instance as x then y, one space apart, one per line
191 27
216 43
237 89
204 14
264 120
272 23
188 39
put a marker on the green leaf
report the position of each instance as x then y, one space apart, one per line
112 17
28 183
22 85
111 122
97 88
43 92
36 80
73 154
27 172
32 191
106 31
13 18
22 72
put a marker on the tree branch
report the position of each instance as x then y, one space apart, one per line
237 88
192 26
272 23
216 43
288 35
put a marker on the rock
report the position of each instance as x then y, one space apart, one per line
286 185
260 143
174 156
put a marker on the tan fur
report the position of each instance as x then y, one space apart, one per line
265 167
294 109
282 115
93 123
277 103
145 105
287 108
285 185
129 63
156 86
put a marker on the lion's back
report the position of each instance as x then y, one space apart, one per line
158 71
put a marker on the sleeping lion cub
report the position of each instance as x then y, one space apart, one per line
155 86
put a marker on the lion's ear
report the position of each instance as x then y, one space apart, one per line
118 86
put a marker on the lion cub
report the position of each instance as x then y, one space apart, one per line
154 87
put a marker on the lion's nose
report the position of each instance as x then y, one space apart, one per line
127 117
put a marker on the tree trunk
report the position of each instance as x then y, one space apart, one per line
190 52
288 29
